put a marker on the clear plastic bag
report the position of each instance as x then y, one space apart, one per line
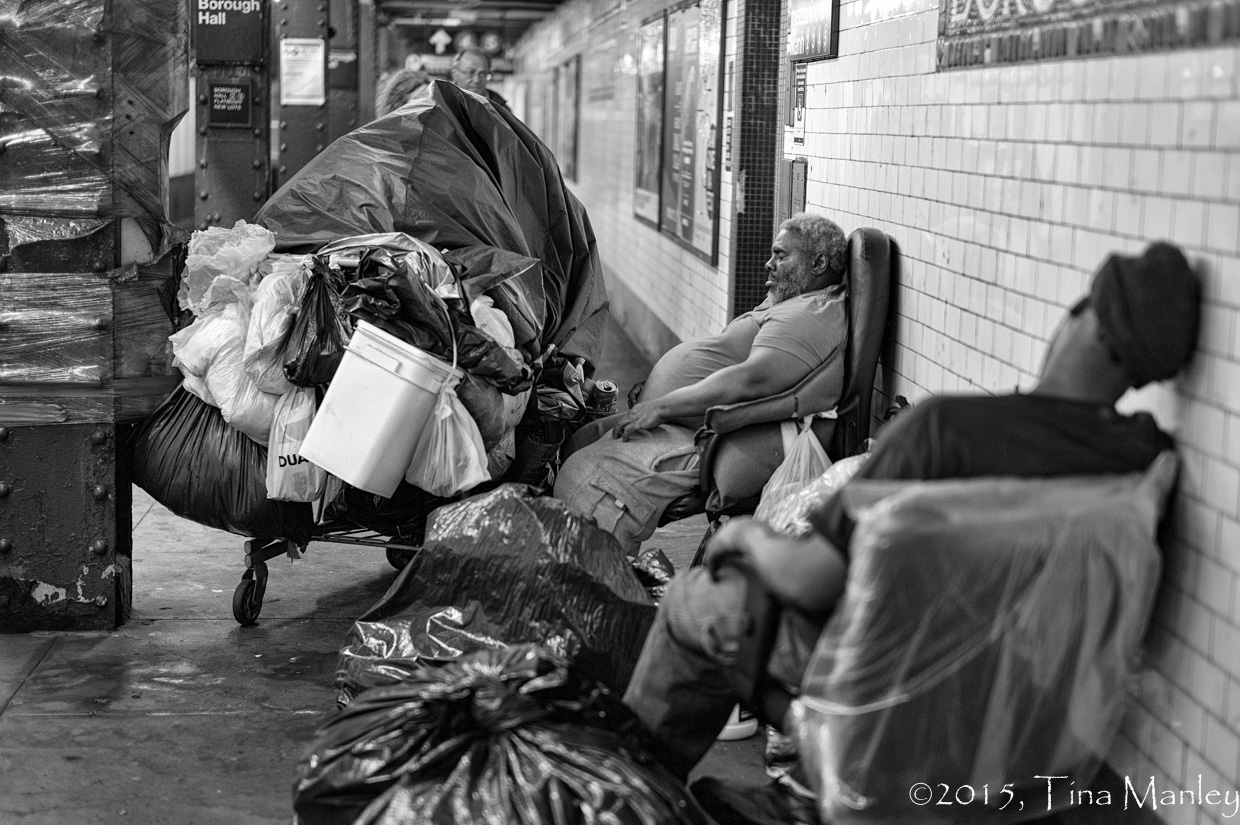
804 461
791 515
289 476
450 457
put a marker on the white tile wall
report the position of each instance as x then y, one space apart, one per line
685 292
1005 187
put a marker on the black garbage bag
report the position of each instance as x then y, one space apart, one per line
388 294
197 466
503 568
317 338
403 515
499 736
454 172
511 280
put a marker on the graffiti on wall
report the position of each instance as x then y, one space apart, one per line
995 32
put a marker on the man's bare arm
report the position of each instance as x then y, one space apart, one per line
765 372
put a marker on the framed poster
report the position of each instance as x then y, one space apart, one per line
813 29
568 85
689 191
649 120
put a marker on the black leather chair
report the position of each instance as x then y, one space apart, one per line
869 288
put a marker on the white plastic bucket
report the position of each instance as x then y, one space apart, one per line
376 407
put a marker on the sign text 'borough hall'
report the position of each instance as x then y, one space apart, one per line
994 32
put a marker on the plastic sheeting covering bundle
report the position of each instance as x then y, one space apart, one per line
66 67
454 172
498 569
82 347
200 468
497 736
989 634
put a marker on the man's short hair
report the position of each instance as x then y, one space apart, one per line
817 234
456 59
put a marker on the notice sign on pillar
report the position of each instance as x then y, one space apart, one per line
231 104
228 31
303 71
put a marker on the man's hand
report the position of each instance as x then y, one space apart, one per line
641 417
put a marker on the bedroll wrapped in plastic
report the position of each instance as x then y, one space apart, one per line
988 635
455 172
497 736
498 569
200 468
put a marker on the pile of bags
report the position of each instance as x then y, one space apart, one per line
446 225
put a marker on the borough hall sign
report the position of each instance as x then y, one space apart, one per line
993 32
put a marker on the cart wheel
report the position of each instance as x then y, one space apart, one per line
398 557
248 597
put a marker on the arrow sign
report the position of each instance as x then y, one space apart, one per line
441 40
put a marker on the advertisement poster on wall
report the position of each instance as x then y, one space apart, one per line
649 120
691 126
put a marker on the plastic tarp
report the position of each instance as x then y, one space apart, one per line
988 635
498 736
502 568
455 172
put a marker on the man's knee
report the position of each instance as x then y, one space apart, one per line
706 615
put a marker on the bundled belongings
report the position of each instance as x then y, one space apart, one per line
474 182
514 736
498 569
455 173
988 636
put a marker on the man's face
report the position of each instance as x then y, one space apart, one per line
788 269
471 74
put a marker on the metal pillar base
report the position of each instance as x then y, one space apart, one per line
65 523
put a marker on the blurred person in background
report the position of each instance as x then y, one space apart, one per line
471 70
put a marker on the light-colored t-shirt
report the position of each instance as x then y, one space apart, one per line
811 327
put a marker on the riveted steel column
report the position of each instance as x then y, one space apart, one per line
299 85
343 70
232 110
87 271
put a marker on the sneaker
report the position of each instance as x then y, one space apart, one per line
773 803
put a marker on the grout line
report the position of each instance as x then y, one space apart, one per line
26 676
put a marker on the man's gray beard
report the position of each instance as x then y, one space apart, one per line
790 288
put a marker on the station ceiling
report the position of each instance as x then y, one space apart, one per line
421 20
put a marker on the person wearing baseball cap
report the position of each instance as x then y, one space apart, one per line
1137 324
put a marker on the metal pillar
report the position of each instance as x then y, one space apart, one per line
232 115
343 70
86 262
299 85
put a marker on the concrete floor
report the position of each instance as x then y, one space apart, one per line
181 715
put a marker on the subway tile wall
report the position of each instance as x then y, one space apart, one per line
688 295
1005 188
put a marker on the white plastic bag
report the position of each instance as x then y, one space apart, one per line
221 266
289 476
791 516
450 457
276 301
804 461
